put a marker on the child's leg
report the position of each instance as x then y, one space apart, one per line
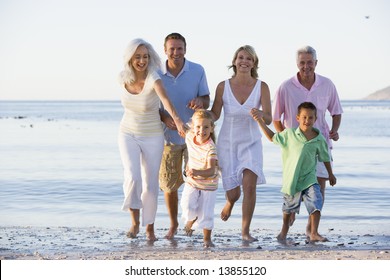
315 221
314 201
322 177
188 227
285 227
206 215
291 205
207 243
322 183
292 219
206 209
189 205
150 236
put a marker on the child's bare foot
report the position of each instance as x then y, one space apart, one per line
188 228
134 230
150 236
317 238
248 238
226 211
208 244
292 219
188 231
171 233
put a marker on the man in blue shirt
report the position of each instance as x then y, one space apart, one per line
186 85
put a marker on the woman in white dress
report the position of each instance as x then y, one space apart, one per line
239 142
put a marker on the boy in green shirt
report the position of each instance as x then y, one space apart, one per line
301 148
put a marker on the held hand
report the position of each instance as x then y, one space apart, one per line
256 114
189 172
333 135
181 128
168 121
195 103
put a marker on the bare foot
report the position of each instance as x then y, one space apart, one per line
150 236
188 228
292 219
226 211
281 238
208 244
188 231
318 238
134 230
249 238
171 233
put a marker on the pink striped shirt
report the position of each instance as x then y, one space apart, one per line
198 158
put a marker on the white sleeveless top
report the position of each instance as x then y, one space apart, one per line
141 116
239 141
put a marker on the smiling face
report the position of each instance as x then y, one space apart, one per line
306 65
140 60
202 128
244 62
306 119
175 50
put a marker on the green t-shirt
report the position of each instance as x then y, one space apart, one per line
300 158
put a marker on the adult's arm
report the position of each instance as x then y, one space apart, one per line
336 121
218 102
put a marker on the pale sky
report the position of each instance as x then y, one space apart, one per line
72 49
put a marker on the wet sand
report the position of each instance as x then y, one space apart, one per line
71 243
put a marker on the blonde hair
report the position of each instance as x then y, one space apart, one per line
204 114
127 76
251 51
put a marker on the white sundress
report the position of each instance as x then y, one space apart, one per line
239 143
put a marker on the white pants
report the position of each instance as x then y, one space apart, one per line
141 159
198 204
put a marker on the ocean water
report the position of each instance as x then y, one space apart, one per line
60 166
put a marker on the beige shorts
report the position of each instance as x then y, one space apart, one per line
171 169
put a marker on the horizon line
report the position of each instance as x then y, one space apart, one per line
118 100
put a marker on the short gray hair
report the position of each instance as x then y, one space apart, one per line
307 49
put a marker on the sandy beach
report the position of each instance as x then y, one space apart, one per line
69 243
67 207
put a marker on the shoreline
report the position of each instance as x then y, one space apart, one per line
91 243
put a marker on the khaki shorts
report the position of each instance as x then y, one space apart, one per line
171 169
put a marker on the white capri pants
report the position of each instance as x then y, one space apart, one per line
197 203
141 159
